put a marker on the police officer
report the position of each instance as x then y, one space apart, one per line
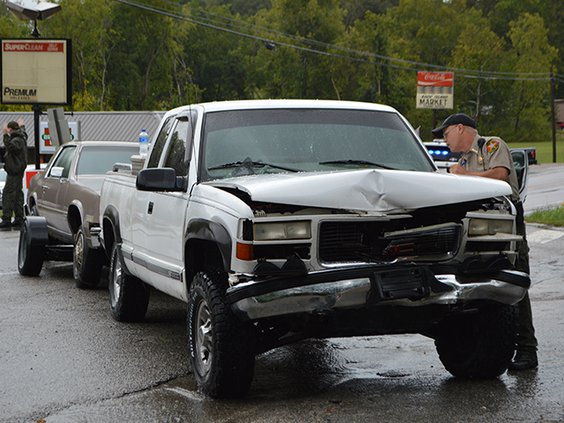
490 157
15 162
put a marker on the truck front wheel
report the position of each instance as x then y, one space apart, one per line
129 296
222 351
480 345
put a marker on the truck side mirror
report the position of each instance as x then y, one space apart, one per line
160 179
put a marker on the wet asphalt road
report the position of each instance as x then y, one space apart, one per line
63 359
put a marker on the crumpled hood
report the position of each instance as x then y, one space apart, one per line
367 189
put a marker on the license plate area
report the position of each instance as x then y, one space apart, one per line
400 283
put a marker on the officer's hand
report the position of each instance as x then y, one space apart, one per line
21 122
457 169
5 127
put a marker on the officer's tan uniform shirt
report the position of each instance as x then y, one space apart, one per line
494 153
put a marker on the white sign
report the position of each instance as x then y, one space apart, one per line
435 90
45 145
35 71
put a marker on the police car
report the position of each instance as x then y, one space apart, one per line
441 154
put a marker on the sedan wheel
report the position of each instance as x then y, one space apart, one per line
86 262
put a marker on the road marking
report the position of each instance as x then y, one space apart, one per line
544 236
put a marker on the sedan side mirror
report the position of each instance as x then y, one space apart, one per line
56 171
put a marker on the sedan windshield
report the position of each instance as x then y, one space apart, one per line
307 140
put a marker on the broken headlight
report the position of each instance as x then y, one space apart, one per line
477 227
282 230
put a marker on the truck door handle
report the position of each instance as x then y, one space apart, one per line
150 208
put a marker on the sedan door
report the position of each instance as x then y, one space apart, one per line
52 187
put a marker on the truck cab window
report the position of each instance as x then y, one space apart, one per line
175 156
160 143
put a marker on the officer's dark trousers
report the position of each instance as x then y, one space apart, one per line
13 198
526 332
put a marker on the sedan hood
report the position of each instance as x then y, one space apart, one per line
366 190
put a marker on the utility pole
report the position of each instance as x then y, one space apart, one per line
553 114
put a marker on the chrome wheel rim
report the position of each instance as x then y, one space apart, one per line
116 279
22 250
78 253
203 338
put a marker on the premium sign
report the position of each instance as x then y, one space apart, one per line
35 71
435 90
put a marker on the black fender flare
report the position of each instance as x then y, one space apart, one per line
111 214
211 231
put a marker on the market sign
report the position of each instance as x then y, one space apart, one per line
36 71
435 90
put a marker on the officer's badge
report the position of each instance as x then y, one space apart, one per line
492 146
463 163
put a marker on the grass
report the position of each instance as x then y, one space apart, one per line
544 149
552 217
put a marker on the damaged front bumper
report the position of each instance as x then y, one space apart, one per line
411 286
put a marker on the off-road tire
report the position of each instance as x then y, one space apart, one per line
31 253
222 348
86 262
129 296
478 346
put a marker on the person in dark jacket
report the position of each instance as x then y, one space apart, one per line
15 162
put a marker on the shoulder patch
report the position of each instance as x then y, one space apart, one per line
492 146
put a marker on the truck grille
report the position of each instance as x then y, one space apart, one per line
367 242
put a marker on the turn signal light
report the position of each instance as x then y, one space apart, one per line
244 251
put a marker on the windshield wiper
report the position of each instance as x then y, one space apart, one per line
357 162
251 163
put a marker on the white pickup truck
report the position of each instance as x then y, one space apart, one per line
282 220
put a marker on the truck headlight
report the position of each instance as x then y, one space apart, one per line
478 227
281 230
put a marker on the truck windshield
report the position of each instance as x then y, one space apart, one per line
307 140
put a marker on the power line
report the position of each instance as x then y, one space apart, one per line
385 61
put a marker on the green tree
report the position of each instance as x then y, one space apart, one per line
89 25
477 48
215 57
291 72
531 52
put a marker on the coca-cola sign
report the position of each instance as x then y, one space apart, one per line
435 90
435 79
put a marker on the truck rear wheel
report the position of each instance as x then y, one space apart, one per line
478 346
31 248
86 262
222 351
129 296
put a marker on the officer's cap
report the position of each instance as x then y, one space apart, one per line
454 119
